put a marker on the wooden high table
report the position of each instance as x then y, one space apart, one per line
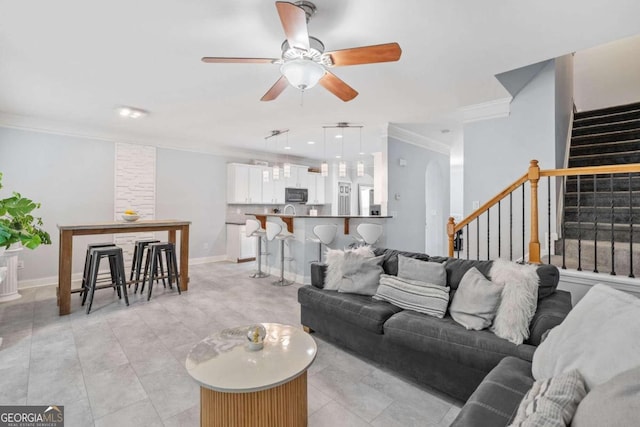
66 248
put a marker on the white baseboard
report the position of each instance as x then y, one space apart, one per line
76 278
579 282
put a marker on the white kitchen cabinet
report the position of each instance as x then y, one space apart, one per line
239 246
273 191
244 184
298 178
316 187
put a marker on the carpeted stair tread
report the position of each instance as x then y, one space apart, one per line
605 147
624 135
620 198
609 110
603 183
607 127
623 158
586 231
611 118
620 214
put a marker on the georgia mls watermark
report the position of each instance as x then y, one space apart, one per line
31 416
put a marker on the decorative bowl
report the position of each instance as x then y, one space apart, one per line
130 218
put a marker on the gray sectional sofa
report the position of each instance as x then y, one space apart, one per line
435 352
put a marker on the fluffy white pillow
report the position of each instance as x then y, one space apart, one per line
335 265
518 302
600 337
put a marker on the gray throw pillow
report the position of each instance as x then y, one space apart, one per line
551 402
414 295
424 271
613 403
360 275
476 301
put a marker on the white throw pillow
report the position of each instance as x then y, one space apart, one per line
519 299
600 337
475 302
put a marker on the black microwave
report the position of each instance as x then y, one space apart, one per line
296 195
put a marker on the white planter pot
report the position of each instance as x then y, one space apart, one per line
9 275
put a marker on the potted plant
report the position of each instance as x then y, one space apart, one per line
18 225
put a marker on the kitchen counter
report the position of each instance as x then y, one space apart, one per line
288 218
300 251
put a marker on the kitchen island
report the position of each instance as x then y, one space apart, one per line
301 249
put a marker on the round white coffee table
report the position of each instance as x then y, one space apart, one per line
239 387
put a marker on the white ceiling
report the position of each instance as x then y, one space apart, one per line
66 64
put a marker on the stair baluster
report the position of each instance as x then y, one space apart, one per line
564 237
579 229
549 219
595 224
613 248
630 228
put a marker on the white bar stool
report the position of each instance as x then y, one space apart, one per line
254 229
368 233
278 232
325 234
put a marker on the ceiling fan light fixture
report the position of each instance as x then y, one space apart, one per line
302 74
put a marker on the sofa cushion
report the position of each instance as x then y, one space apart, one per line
457 268
496 400
445 338
390 260
359 310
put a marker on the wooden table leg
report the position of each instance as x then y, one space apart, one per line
64 272
184 257
172 236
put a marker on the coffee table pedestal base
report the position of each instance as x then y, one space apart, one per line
281 406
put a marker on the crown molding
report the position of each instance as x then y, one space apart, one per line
413 138
60 128
494 109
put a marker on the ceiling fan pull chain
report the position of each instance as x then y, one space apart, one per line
302 98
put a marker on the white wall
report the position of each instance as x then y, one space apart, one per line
497 152
72 178
406 230
192 186
607 75
563 105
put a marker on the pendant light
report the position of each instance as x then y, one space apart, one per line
275 172
286 168
360 163
324 166
265 175
342 165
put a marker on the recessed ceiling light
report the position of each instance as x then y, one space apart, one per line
311 142
131 113
338 156
287 148
361 153
339 136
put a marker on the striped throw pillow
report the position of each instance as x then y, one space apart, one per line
551 402
413 295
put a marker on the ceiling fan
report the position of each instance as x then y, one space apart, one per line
304 63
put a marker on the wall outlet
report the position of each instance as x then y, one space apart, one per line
205 246
476 204
20 264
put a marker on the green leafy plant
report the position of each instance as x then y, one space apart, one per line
18 225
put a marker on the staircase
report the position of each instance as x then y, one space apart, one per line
609 205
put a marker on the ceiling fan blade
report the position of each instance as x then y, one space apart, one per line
294 23
387 52
223 60
338 87
276 89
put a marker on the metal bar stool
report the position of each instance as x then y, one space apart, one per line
140 249
114 254
325 234
156 250
254 229
87 262
278 232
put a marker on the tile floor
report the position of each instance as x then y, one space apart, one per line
124 366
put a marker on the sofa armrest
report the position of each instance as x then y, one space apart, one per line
550 313
318 271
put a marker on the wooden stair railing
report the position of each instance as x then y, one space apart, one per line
533 175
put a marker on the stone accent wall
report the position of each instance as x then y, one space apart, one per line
135 188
